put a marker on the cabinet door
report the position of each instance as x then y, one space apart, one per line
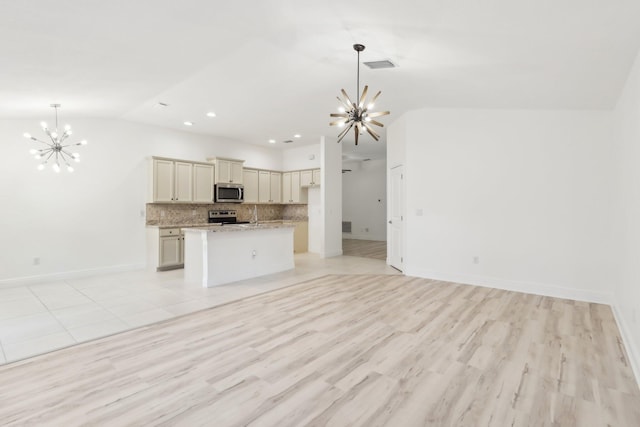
169 251
183 190
316 177
276 187
306 178
202 183
286 187
223 171
235 172
264 186
162 180
250 179
295 187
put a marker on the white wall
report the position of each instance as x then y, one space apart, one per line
331 196
626 188
305 157
527 192
364 199
91 219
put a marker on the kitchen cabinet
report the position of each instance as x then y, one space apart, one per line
310 178
203 179
269 186
172 181
301 237
250 180
165 248
228 171
291 192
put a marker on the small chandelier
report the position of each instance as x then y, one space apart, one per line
55 151
357 116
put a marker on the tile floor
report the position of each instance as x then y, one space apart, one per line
42 317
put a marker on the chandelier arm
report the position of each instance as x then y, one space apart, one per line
378 114
351 104
363 97
371 132
344 132
356 134
377 123
40 141
338 122
345 115
344 103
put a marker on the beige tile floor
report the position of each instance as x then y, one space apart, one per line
43 317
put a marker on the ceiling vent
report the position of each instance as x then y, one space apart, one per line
376 65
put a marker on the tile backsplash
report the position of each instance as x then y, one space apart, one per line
178 214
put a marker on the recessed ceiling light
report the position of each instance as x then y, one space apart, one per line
188 123
211 114
272 141
297 135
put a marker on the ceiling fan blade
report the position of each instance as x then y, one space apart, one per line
347 98
338 122
364 96
378 114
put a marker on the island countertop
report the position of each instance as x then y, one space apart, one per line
212 228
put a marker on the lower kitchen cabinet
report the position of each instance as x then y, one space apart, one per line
165 248
301 237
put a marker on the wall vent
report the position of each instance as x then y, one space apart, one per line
376 65
346 226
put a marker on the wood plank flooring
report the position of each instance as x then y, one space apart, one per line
352 350
365 248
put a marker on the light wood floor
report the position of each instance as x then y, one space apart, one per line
365 248
346 350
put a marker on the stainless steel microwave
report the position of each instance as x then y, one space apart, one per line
228 193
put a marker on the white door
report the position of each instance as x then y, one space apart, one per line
396 218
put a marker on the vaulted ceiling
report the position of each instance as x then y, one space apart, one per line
270 69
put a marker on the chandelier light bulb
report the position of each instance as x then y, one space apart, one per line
341 109
27 135
370 105
56 168
69 168
67 128
41 166
33 151
83 142
43 124
54 134
69 132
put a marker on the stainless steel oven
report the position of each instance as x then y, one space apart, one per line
229 193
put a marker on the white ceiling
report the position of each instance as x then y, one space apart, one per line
270 69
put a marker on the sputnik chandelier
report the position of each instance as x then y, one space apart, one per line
55 151
357 116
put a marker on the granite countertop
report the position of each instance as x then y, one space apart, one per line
267 225
206 224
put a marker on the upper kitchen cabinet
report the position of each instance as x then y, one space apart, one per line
250 182
310 178
291 192
172 181
203 179
269 186
228 171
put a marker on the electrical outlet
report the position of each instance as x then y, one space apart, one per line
476 259
36 261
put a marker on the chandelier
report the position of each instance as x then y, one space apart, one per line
357 116
55 151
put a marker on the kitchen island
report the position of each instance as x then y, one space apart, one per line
219 254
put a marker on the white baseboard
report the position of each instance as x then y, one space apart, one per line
364 237
66 275
332 254
630 345
517 286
